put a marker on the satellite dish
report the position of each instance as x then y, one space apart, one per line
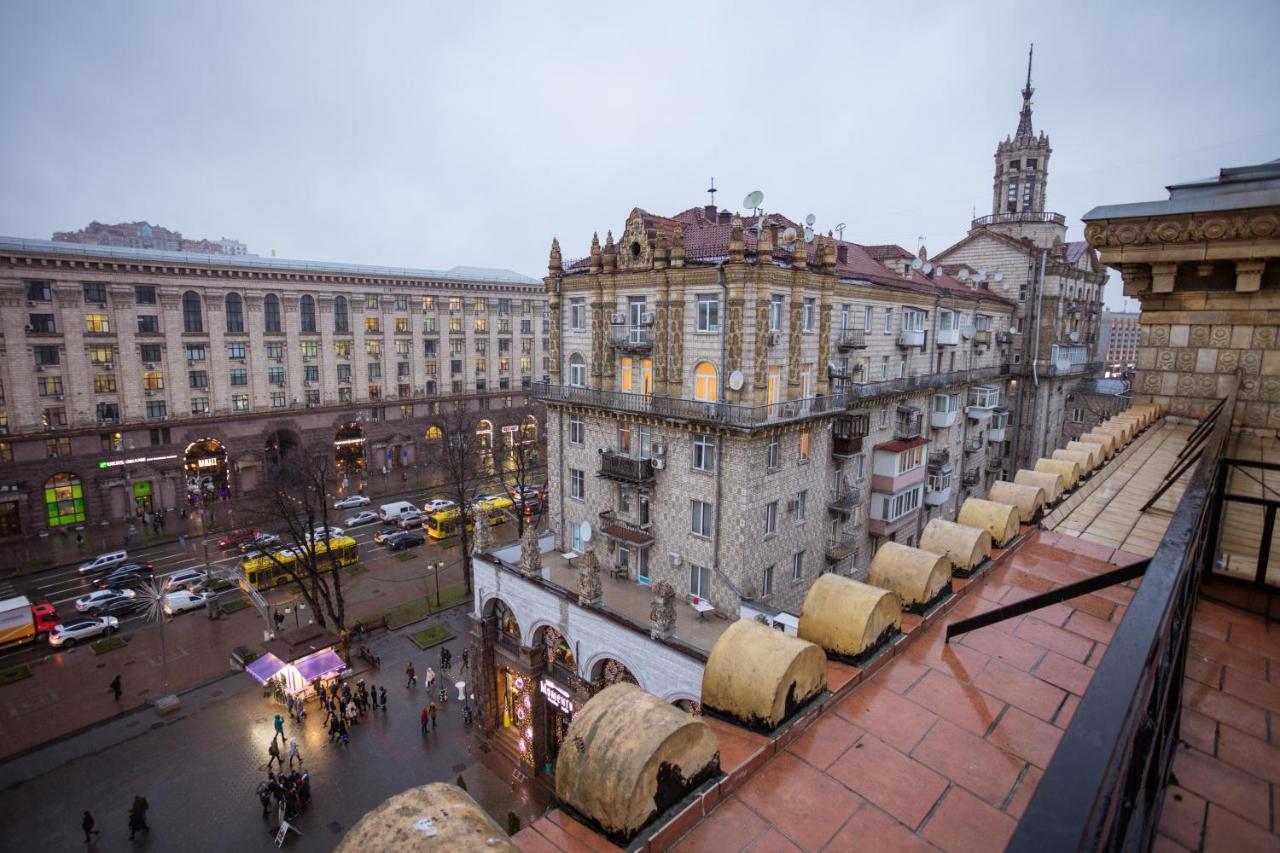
917 264
1075 336
735 380
810 219
928 268
808 234
982 273
753 199
1004 286
941 271
586 531
788 236
999 276
967 332
963 275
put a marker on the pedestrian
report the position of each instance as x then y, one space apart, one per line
431 680
382 697
353 713
289 705
273 754
87 824
182 541
264 797
116 689
432 710
138 816
466 657
413 676
293 752
279 724
80 546
425 719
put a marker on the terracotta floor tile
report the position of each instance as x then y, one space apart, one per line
732 826
1065 673
801 802
899 674
1096 606
1199 731
896 783
561 839
967 706
1248 662
965 824
1220 783
1228 710
1023 789
873 830
529 840
825 740
1263 693
736 743
1249 754
1026 736
840 674
1063 642
1165 844
772 842
1021 690
968 760
1090 626
1205 671
997 642
1182 817
1228 833
887 715
588 838
1067 712
955 659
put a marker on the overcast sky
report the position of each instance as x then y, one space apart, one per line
431 134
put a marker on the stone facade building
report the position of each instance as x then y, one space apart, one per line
1205 265
734 410
144 235
1118 341
134 380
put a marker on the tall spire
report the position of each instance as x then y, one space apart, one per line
1024 121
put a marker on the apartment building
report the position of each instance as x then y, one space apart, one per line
1119 340
735 410
135 379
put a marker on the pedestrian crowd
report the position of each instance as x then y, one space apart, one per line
137 820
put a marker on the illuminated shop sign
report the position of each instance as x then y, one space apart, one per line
208 462
115 463
557 697
346 442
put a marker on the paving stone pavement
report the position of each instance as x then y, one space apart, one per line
199 768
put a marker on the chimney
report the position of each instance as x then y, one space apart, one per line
842 254
709 213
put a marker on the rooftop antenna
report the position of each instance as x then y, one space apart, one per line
712 192
919 242
840 231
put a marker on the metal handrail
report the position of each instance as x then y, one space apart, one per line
1105 785
1027 216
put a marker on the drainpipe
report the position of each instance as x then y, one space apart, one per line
1035 355
560 431
724 329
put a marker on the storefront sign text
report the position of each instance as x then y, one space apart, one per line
208 462
138 459
557 697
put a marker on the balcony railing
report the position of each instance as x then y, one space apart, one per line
972 444
631 338
1028 216
845 500
939 457
995 463
747 417
982 337
907 426
971 478
847 434
851 339
615 466
842 548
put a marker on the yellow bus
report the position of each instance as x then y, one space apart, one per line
265 572
442 525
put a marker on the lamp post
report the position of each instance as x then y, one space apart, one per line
439 567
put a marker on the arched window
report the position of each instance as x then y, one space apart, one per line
307 310
506 620
530 429
235 313
64 500
434 433
271 312
192 315
706 386
341 323
577 371
484 432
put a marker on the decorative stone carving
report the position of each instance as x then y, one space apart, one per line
1199 336
662 613
733 342
481 537
590 589
1220 336
1186 359
1251 361
530 552
1264 337
1159 336
1182 229
1228 360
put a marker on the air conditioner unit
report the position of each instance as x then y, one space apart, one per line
658 464
791 505
39 367
659 448
618 319
57 397
646 319
150 365
775 338
106 365
675 558
190 362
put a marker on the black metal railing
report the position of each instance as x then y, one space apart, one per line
631 338
939 457
908 425
851 339
616 466
1104 787
845 500
971 477
842 547
1028 216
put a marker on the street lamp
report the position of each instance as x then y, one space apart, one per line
439 567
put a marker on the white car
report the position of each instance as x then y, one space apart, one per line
186 599
319 533
99 597
437 505
351 502
411 519
366 517
69 633
109 560
183 579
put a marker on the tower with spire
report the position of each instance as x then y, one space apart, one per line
1022 167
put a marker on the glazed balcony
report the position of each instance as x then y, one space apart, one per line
847 434
909 338
973 444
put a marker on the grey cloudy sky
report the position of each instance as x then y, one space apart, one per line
426 134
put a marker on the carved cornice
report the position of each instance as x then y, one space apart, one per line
1191 228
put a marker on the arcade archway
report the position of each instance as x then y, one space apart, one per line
348 448
208 473
279 446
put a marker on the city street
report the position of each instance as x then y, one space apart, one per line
200 767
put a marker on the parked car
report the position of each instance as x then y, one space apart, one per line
91 602
183 579
186 599
69 633
238 538
366 517
437 505
130 574
351 501
384 535
319 533
102 562
411 519
527 498
261 542
405 540
118 607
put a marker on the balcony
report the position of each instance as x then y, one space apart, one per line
624 531
982 337
847 434
1004 338
939 458
839 550
909 338
851 339
944 417
982 402
999 425
624 469
939 489
1068 359
971 478
947 337
1028 217
994 463
973 444
845 501
631 338
908 423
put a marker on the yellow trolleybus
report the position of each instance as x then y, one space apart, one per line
442 525
264 572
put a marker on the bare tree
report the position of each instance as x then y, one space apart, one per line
461 458
294 501
522 470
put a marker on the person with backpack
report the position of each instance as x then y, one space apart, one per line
413 676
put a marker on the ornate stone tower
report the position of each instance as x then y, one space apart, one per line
1022 165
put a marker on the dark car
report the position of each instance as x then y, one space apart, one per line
405 540
118 607
237 538
130 575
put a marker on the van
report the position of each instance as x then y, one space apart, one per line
392 512
109 560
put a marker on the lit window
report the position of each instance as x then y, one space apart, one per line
705 383
96 324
